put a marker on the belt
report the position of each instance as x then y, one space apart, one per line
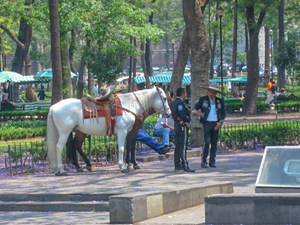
211 121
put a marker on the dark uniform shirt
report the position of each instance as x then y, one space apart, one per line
204 105
180 113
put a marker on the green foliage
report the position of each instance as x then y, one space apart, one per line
234 105
14 130
275 133
288 106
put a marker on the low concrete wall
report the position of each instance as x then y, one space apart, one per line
277 190
253 209
168 156
132 208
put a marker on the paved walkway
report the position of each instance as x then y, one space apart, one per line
241 168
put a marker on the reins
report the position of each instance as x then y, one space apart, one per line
143 108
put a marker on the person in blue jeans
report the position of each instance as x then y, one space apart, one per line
146 139
164 128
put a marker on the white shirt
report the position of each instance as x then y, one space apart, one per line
162 120
212 116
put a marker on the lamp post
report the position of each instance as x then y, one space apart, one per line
220 14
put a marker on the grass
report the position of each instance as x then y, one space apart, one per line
4 145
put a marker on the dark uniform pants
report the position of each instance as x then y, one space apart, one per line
181 140
210 139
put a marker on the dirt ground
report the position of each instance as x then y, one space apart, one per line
267 116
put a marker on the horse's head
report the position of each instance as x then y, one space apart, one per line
161 105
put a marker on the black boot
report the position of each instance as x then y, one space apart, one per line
188 169
178 168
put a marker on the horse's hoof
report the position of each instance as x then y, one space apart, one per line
64 173
125 170
79 170
89 168
130 167
136 167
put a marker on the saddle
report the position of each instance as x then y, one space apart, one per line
106 105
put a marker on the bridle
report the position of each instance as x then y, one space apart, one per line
162 100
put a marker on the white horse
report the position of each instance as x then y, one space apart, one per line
67 115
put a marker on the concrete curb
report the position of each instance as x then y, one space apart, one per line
168 156
252 209
132 208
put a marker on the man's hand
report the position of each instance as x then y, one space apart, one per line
196 112
218 126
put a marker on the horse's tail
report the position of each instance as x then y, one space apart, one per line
52 139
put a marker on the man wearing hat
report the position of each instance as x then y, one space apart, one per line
212 115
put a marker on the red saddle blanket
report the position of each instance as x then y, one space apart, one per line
90 108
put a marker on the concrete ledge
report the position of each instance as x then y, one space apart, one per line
277 189
168 156
253 209
132 208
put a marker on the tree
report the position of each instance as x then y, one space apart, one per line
281 66
55 52
249 106
200 55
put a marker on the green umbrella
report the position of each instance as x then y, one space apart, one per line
7 75
47 73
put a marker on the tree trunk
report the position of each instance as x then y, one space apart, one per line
67 80
148 52
281 66
144 66
167 54
55 52
179 66
72 49
267 56
82 68
235 34
249 106
200 55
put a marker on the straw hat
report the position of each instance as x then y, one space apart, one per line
215 88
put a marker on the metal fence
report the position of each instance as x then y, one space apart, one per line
251 135
23 157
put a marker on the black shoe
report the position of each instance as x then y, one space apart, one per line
166 150
189 170
212 165
204 165
178 168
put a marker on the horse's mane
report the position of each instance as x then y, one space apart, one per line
144 96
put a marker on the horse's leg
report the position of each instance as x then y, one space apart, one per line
59 148
130 152
71 151
133 156
121 143
79 139
131 141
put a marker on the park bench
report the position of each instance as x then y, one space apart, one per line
31 106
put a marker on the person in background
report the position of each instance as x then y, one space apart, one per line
211 111
182 119
269 95
164 127
42 95
146 139
96 90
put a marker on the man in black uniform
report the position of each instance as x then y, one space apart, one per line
212 114
182 119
